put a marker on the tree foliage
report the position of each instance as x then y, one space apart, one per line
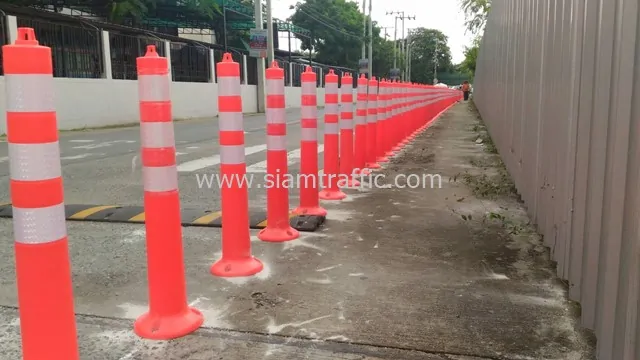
336 28
475 12
427 45
468 65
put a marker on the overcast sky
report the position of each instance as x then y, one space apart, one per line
444 15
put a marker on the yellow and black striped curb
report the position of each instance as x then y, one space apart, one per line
190 217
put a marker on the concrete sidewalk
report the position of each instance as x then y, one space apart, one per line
447 273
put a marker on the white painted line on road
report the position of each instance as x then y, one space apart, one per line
214 160
193 147
81 141
76 157
178 153
293 157
104 144
3 159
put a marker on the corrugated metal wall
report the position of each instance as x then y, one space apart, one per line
557 84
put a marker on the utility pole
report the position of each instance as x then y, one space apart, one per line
400 15
435 63
370 39
386 34
364 29
407 61
257 14
270 40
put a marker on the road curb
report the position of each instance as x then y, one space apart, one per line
190 217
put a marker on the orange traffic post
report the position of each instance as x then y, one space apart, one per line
391 118
309 197
169 315
406 120
360 131
236 241
346 133
43 271
381 127
397 117
278 228
331 190
372 119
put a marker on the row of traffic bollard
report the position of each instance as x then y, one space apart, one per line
388 116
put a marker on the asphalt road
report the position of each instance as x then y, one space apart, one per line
102 167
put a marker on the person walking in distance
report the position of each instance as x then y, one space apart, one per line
466 88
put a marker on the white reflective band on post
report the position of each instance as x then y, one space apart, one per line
231 154
276 142
34 162
275 87
361 120
39 225
230 121
157 134
29 93
229 86
276 115
160 178
331 128
153 88
309 134
347 107
331 109
331 88
309 88
346 124
308 112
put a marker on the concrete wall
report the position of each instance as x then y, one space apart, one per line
558 85
89 103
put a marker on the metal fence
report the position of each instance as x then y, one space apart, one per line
76 49
124 50
76 46
557 85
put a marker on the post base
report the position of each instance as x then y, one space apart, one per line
350 183
383 159
274 234
311 211
373 165
236 268
332 195
158 327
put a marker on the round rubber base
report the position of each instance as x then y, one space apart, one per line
236 268
157 327
278 234
332 195
362 172
311 211
350 183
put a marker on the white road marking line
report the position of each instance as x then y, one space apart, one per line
104 144
178 153
3 159
293 157
76 157
81 141
214 160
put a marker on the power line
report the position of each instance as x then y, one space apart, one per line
330 26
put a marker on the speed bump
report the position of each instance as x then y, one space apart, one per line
190 217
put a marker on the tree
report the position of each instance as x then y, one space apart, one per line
475 13
336 28
427 45
468 65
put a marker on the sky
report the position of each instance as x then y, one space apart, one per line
443 15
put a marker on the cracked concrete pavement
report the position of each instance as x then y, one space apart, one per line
450 273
